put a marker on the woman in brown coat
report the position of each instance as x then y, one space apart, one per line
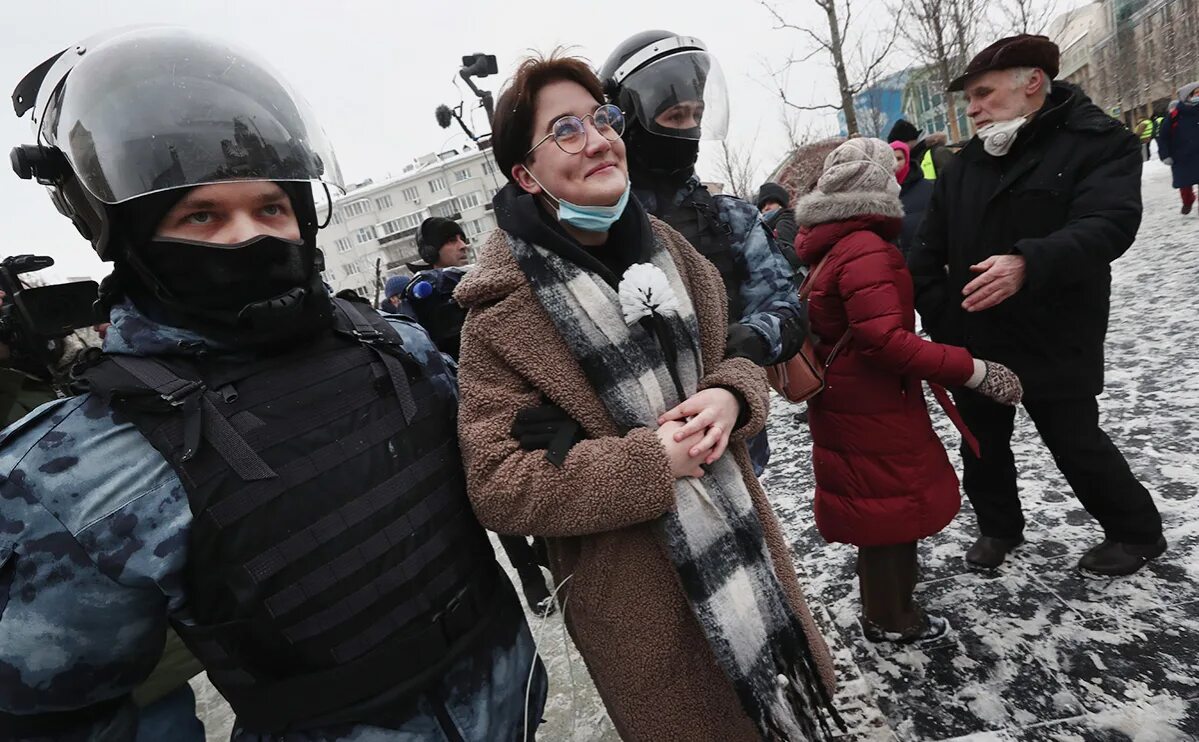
678 586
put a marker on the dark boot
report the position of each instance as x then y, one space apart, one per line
989 552
1116 559
1187 206
928 629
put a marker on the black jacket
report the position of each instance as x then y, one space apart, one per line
915 193
782 224
1068 198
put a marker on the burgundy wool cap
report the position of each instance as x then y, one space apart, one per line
1025 50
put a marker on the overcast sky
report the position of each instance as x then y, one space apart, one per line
374 71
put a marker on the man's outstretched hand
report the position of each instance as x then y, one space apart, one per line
1000 276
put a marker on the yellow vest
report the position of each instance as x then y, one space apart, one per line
927 166
1145 129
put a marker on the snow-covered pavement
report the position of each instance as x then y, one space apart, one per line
1038 652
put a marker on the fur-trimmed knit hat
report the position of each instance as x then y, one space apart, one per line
858 179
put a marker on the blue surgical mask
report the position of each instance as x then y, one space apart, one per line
588 218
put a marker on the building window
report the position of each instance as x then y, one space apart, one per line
352 269
468 201
366 234
437 185
343 245
410 194
398 225
337 217
474 227
461 175
488 167
358 208
383 202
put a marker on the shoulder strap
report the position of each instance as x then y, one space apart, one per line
805 290
200 417
383 340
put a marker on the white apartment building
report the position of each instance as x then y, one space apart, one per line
378 221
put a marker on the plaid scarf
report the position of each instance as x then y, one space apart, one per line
712 535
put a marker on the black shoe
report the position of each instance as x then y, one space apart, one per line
544 608
989 552
927 630
1186 208
1117 559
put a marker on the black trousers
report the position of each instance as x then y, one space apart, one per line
1091 463
526 560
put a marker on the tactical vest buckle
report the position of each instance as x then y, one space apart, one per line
369 337
183 395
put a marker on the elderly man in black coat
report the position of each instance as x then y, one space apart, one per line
1014 262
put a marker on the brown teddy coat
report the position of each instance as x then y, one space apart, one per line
623 604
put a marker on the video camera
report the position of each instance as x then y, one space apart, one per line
34 320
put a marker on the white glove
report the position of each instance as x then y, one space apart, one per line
1168 160
997 382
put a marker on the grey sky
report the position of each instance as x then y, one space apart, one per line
374 71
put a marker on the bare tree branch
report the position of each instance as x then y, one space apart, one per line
942 34
736 169
840 20
1026 16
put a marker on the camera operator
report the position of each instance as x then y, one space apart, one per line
20 392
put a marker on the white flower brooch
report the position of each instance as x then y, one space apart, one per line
645 290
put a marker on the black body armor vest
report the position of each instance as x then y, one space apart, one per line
333 555
697 219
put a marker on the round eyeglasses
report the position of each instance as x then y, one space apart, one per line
570 132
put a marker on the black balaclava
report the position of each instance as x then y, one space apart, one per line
658 158
267 290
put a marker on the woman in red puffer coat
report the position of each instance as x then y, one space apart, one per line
883 480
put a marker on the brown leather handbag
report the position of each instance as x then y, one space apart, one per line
801 377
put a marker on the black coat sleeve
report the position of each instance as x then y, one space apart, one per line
928 260
785 231
1102 222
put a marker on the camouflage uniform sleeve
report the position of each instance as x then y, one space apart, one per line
93 525
769 296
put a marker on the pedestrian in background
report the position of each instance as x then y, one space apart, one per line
883 480
915 191
1178 143
393 296
443 246
775 204
1145 132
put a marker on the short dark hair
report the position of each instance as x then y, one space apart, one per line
512 128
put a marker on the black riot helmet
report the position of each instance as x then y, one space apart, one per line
669 84
128 121
137 111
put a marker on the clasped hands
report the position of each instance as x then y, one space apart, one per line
696 432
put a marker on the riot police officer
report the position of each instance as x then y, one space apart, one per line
273 471
673 94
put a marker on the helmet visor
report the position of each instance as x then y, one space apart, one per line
157 108
682 95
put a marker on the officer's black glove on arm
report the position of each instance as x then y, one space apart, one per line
547 427
742 342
